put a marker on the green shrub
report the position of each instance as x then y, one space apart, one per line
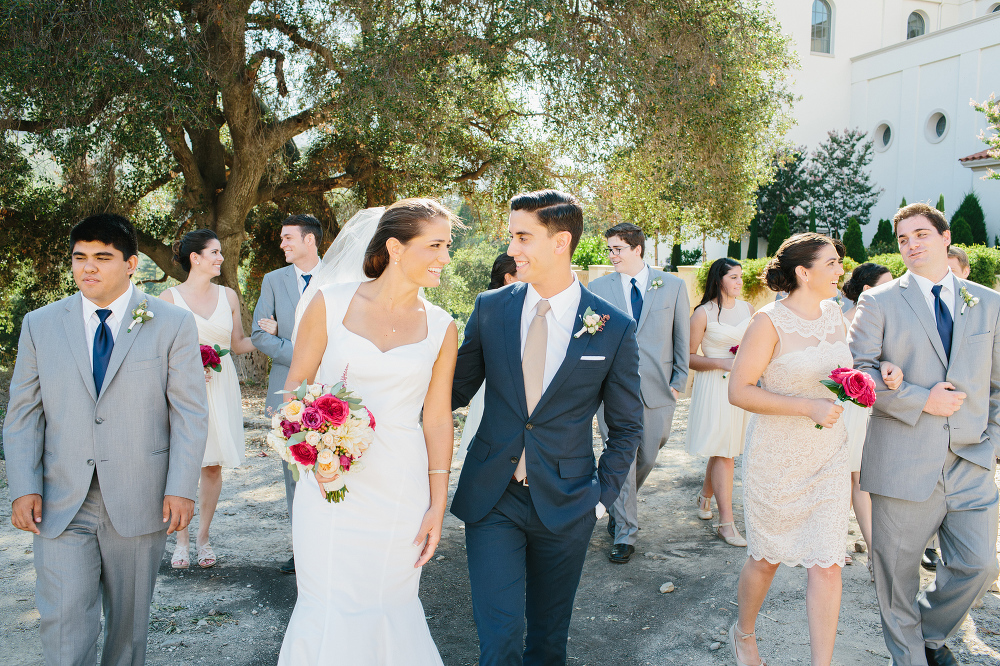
902 204
972 211
854 243
463 279
676 255
984 264
753 286
591 251
779 233
734 250
690 257
940 203
884 241
894 262
961 234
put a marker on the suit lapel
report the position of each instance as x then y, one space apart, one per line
76 337
617 295
576 347
512 339
292 285
647 299
915 297
125 338
958 330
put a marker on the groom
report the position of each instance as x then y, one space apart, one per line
929 459
104 436
530 492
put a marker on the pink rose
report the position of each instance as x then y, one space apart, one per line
345 462
333 409
304 454
210 357
371 418
312 418
289 428
734 349
857 385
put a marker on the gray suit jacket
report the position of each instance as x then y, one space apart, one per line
664 333
905 449
145 433
279 294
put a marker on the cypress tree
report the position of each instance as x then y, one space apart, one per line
961 233
754 239
884 241
940 203
734 250
902 204
854 243
812 220
779 232
675 255
972 211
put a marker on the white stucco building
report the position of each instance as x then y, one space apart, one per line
904 71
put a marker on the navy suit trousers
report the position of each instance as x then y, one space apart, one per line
513 560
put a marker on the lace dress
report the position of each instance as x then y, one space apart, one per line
796 486
715 427
357 587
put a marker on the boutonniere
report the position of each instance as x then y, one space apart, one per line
592 323
970 300
655 284
140 315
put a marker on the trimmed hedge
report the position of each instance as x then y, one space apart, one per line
753 285
984 264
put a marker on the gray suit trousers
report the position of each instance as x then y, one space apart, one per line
656 424
87 563
963 511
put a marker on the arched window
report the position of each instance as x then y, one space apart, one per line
822 27
915 25
994 8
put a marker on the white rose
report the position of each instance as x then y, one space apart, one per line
307 399
293 411
316 390
313 437
325 462
327 439
276 421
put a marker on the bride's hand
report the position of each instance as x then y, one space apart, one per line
430 531
825 412
269 325
892 375
320 479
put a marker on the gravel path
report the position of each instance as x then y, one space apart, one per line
236 612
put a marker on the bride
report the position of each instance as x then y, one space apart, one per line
358 561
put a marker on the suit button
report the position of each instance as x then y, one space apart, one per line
513 459
529 427
946 426
90 462
98 420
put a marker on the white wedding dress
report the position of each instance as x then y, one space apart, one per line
357 586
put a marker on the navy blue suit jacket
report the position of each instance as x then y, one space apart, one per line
557 439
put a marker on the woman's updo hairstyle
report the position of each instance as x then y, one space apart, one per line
865 275
799 250
193 241
403 220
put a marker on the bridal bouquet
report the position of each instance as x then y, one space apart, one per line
211 357
850 386
323 428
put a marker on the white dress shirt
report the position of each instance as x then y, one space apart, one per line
948 291
119 313
560 320
641 280
299 273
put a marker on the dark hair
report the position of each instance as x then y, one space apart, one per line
958 253
307 224
865 275
193 241
503 266
713 283
629 233
557 211
403 221
107 228
936 217
799 250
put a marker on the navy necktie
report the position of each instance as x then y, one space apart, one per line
943 319
636 301
103 344
306 277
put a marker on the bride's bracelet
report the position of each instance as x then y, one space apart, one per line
439 471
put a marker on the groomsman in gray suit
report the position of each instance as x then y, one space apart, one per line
104 437
659 303
274 317
929 459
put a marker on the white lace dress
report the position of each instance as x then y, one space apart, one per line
796 485
357 586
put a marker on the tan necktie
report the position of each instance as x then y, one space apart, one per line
533 367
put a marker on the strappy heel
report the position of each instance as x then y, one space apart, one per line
706 513
733 630
180 560
735 540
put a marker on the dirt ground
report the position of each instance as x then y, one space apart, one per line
236 612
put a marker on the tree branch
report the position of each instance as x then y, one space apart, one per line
40 126
473 175
301 187
173 136
296 37
257 59
161 254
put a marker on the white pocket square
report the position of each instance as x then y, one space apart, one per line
591 358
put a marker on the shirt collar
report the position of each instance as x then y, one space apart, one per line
299 272
947 282
641 278
117 307
559 303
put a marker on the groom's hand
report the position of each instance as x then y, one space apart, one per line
944 400
26 512
178 511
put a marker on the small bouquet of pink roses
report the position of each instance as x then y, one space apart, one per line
325 429
211 357
850 386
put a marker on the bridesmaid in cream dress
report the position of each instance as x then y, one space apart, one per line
216 310
716 428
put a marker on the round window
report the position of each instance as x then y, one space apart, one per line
882 137
937 126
